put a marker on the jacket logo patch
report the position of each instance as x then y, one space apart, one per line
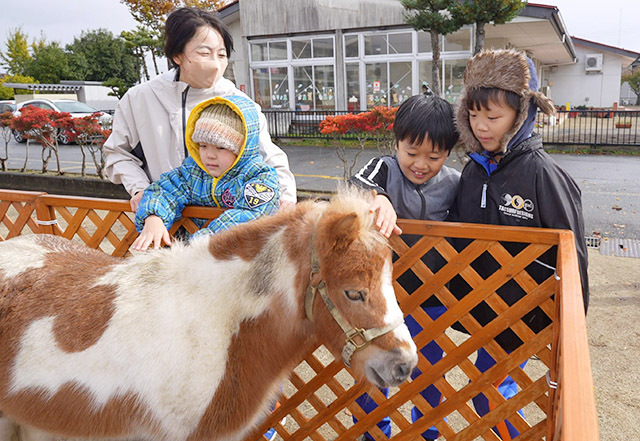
227 198
258 194
516 206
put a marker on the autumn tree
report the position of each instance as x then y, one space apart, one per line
90 136
633 80
5 134
16 58
43 126
483 12
433 16
375 125
153 13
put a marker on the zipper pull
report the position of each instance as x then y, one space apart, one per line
483 201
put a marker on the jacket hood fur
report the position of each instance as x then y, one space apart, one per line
505 69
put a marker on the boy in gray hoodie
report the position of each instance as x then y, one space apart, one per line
414 184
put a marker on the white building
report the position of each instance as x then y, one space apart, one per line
354 54
594 79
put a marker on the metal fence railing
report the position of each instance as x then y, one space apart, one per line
301 124
593 128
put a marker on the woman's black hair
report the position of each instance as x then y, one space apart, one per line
479 98
183 23
426 116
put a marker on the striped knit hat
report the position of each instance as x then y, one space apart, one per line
219 125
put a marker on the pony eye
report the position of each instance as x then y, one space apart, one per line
356 295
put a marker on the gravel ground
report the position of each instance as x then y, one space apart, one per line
613 325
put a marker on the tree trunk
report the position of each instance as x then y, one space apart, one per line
479 37
155 62
435 64
26 156
144 64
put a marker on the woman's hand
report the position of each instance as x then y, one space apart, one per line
154 232
135 200
387 217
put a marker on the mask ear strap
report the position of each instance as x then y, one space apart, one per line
543 103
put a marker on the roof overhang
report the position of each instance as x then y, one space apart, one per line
230 13
45 87
540 30
628 57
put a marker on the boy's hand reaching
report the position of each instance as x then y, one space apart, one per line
387 217
154 232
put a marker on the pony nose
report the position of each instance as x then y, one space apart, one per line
401 371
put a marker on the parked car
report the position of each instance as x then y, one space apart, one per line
77 109
7 105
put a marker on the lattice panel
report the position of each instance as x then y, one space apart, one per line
318 400
17 214
318 415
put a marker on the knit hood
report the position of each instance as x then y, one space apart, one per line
246 109
508 70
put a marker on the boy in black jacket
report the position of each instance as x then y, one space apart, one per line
511 180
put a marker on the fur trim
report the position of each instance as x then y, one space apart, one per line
504 69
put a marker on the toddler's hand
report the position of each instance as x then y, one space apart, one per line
154 232
387 217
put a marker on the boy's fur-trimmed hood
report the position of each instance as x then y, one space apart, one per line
505 69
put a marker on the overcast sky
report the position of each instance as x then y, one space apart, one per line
612 22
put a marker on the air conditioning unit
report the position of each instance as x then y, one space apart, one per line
593 63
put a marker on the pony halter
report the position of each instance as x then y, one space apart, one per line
356 338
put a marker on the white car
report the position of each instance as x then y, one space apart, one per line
77 109
9 105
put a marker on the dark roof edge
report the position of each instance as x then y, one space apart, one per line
606 47
229 9
551 13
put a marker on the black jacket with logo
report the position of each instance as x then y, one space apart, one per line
527 189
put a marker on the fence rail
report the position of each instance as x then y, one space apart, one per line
570 127
301 124
555 388
591 127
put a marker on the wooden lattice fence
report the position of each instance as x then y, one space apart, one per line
555 389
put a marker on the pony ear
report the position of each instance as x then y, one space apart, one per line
343 230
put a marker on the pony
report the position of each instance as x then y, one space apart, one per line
192 342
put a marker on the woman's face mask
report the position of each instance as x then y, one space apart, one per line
204 59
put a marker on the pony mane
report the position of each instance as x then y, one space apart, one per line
353 199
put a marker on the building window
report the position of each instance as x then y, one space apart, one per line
425 76
397 64
375 44
259 52
301 49
277 50
271 87
351 46
352 74
399 83
457 41
314 87
377 84
400 43
324 88
323 48
297 74
424 42
262 87
453 74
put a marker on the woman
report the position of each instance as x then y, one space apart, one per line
150 120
